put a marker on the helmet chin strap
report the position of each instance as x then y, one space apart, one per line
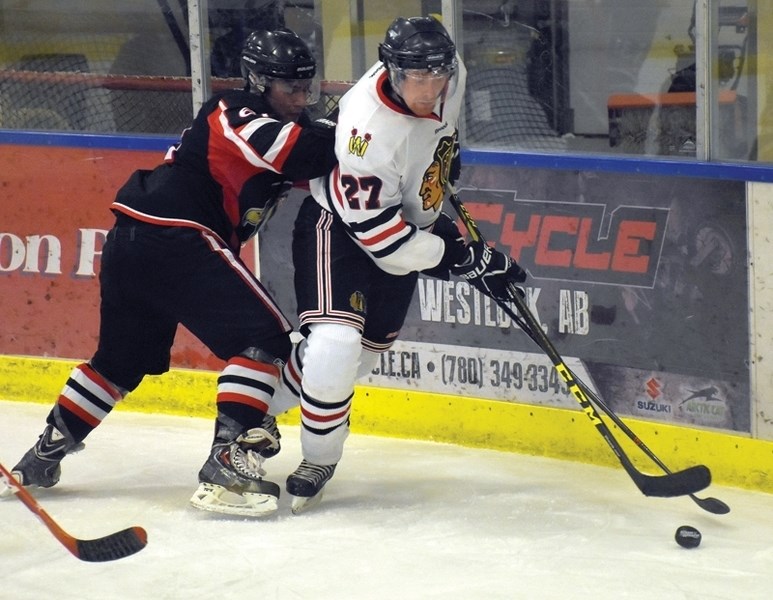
391 89
256 83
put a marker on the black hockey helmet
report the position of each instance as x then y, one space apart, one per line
279 54
418 43
279 58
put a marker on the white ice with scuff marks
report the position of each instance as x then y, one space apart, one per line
400 519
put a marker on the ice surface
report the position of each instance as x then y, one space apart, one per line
400 519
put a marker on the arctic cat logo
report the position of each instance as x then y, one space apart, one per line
706 405
708 394
358 145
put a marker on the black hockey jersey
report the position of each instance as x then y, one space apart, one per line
229 169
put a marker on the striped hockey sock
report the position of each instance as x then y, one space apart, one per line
244 391
86 399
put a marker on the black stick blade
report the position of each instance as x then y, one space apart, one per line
112 547
712 505
680 483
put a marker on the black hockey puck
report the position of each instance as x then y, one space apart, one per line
688 537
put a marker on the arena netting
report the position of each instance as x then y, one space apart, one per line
55 93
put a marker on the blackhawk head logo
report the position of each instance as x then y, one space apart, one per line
435 178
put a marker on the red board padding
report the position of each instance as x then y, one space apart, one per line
53 214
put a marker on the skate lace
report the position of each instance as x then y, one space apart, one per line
269 425
246 458
257 439
313 473
248 462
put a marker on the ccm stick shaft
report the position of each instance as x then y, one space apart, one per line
685 482
111 547
712 505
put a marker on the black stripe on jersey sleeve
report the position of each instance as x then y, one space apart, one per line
364 228
377 221
387 250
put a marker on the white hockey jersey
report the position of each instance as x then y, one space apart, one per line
389 185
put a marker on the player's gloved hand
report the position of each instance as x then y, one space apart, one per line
455 250
489 270
324 127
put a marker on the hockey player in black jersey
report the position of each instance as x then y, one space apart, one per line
173 258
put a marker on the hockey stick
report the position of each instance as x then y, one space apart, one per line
111 547
671 484
712 505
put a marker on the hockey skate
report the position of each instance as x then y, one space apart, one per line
306 485
270 426
231 481
40 465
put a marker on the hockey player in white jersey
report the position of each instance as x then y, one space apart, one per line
370 227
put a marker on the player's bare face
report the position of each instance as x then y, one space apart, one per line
420 90
289 98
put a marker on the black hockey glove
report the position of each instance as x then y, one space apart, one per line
489 270
455 251
324 127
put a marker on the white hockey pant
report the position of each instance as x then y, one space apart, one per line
288 391
330 368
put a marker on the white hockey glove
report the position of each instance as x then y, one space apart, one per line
489 270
